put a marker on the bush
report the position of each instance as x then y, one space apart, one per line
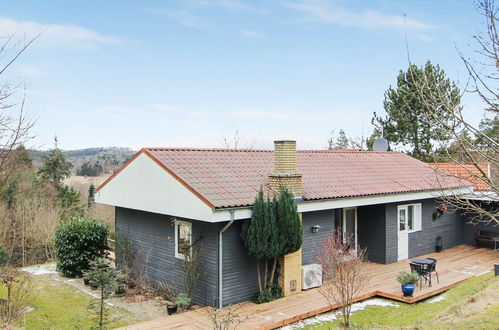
404 277
183 300
271 293
4 256
79 241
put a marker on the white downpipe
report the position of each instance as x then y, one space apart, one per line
220 259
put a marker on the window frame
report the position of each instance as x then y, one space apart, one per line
417 217
179 223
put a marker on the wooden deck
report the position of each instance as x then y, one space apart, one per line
454 266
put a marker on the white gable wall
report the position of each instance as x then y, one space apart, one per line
144 185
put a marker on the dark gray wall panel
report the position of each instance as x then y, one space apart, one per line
449 226
371 231
239 270
149 233
311 241
471 229
391 232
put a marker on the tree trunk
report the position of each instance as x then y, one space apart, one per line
266 272
272 273
101 316
258 275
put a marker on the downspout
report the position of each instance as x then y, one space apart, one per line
220 258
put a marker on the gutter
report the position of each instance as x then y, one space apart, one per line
220 259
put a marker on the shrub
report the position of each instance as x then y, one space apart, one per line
183 300
4 256
79 241
272 292
404 277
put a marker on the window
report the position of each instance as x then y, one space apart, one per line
409 217
183 238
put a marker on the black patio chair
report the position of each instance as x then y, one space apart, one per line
433 268
422 271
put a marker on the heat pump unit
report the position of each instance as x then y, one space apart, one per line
311 276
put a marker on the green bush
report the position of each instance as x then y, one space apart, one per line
4 256
271 293
182 300
404 277
79 241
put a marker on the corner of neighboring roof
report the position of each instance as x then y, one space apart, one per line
120 169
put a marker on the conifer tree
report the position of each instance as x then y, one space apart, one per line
275 229
289 225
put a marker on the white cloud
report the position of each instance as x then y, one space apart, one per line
28 71
182 16
252 34
253 114
329 12
225 4
55 35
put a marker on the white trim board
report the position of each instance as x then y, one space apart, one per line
319 205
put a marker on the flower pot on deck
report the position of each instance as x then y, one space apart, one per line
171 309
408 289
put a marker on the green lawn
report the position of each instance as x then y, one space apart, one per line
472 304
58 305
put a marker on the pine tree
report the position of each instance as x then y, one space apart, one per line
55 168
407 107
91 196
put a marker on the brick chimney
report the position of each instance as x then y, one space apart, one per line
285 168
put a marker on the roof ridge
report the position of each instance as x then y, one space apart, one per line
204 149
266 150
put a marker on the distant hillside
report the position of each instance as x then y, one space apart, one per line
109 159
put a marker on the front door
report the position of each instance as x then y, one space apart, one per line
403 233
350 226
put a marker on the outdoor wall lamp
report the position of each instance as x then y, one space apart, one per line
315 228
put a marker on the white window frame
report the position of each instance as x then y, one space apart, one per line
177 224
417 217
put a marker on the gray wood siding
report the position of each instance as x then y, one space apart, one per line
311 241
471 228
240 281
149 234
391 238
371 231
449 226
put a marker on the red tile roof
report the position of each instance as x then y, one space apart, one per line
227 178
466 171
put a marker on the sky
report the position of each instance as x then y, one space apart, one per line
191 73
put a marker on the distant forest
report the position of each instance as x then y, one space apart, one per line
90 161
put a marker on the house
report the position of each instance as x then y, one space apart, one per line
167 198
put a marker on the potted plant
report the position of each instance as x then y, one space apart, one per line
408 282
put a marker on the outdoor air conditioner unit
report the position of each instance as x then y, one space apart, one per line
311 276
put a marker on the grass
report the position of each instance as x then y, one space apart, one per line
471 304
58 305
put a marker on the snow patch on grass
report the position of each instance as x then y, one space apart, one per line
335 315
437 299
40 270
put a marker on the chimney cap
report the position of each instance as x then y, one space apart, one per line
284 141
